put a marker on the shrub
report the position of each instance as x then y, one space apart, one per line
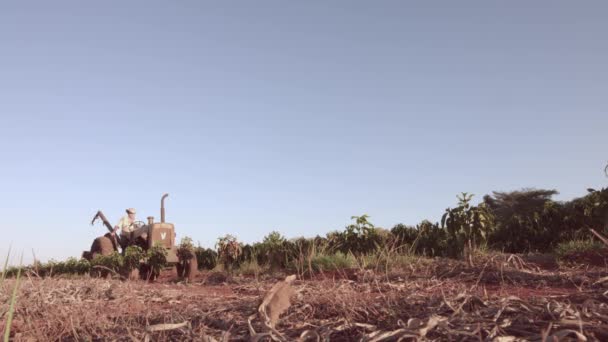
206 258
526 220
229 250
568 248
359 238
102 264
133 257
185 250
273 251
404 235
333 262
248 253
467 226
156 258
251 268
431 240
83 266
71 266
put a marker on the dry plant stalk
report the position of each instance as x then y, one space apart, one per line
599 236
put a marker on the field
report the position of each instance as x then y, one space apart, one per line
499 298
516 266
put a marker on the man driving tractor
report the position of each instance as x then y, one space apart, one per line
129 228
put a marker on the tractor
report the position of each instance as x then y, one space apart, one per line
146 236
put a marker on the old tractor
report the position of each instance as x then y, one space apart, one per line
146 236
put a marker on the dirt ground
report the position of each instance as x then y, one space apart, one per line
495 300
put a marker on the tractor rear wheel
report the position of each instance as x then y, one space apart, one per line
102 245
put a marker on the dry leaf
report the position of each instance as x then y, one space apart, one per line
276 301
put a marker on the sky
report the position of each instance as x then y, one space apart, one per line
290 116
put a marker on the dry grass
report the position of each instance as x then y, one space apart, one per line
501 298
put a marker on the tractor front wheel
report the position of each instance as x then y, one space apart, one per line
191 270
187 268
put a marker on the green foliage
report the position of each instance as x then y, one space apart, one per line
528 220
132 258
185 250
524 220
12 271
229 250
405 236
274 251
206 258
156 258
112 262
333 262
568 248
359 238
74 266
466 225
426 239
83 266
248 253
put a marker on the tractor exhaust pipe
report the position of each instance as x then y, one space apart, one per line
162 208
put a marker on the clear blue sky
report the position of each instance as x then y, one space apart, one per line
289 116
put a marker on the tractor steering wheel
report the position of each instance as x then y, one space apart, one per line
137 224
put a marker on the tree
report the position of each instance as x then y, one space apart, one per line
525 220
467 226
358 238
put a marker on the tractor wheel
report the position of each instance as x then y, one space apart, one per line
191 269
102 245
147 273
180 269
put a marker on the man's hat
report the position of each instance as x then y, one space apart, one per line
131 211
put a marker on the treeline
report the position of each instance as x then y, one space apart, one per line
522 221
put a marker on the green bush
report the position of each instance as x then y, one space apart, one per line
113 262
405 236
206 258
333 262
185 249
359 238
12 271
568 248
431 240
529 220
466 225
229 252
274 251
83 266
526 220
156 258
132 259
